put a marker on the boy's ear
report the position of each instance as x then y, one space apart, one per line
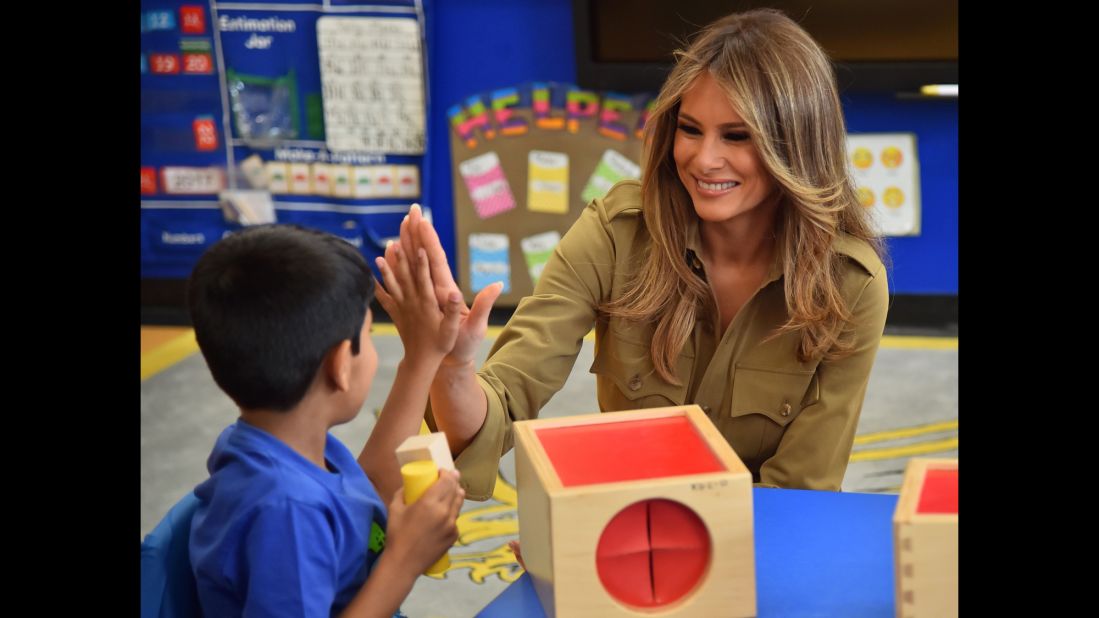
337 364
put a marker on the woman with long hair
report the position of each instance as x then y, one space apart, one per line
740 273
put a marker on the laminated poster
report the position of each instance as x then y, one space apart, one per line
548 182
487 185
537 250
610 169
488 261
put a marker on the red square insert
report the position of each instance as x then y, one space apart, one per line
939 493
627 451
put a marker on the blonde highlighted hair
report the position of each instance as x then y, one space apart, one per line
783 86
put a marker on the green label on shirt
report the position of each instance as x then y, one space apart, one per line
377 538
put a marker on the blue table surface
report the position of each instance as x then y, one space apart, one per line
818 553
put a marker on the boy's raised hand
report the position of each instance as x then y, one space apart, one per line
409 298
417 234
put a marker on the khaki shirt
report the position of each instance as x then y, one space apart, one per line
792 423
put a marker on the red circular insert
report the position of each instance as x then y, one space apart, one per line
652 553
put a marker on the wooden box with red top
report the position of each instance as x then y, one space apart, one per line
634 514
925 540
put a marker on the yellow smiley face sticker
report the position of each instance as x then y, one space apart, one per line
893 197
891 157
866 197
862 158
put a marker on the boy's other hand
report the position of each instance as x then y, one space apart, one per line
423 531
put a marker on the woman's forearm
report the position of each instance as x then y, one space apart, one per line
458 404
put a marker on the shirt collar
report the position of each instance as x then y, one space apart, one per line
693 253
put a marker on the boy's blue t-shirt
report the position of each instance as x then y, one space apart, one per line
274 535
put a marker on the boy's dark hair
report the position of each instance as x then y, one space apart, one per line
269 302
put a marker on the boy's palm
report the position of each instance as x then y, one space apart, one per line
409 299
417 234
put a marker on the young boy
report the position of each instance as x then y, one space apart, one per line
289 523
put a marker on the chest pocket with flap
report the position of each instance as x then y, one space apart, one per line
625 361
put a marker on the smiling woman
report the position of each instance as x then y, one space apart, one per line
717 162
739 274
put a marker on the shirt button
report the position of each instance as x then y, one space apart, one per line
635 382
786 409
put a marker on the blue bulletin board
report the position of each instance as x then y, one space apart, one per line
314 114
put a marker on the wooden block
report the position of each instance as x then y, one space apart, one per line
925 540
635 514
426 447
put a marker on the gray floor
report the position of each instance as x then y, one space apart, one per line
182 412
